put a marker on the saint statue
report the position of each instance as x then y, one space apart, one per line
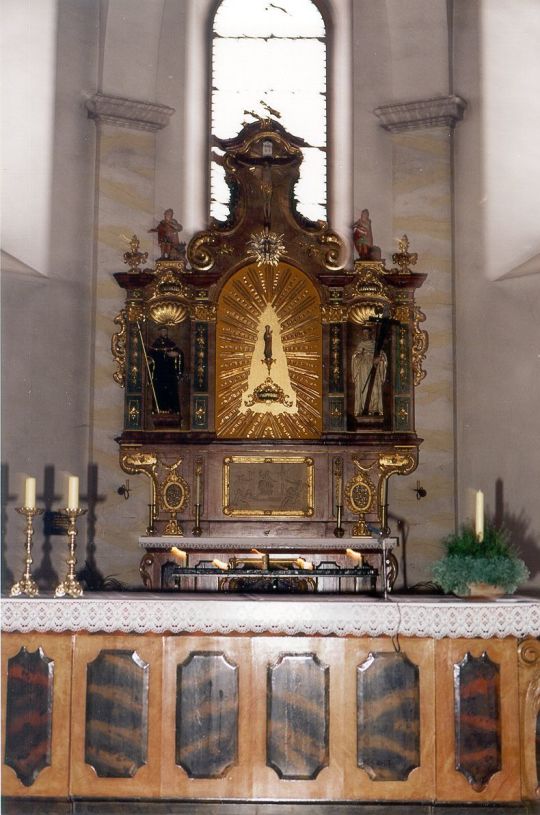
167 232
166 362
363 238
363 363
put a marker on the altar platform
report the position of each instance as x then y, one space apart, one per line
293 702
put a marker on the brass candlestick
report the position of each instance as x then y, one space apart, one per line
339 531
197 529
27 585
70 586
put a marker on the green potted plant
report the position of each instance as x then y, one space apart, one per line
474 568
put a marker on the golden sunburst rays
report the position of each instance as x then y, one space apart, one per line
247 300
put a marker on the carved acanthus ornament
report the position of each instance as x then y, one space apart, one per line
420 344
118 348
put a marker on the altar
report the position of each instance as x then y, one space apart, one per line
268 399
284 698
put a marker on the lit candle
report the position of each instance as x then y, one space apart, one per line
219 564
73 492
179 555
30 493
479 516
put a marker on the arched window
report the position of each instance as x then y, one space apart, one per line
268 57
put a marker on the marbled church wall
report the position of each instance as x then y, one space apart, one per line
405 179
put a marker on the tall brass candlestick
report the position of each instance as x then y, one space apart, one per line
70 586
27 585
197 529
339 531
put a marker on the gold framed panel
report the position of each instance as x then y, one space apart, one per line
268 485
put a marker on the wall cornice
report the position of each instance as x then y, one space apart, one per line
132 113
442 111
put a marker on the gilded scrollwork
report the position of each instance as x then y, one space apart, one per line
420 344
199 253
331 248
334 313
118 348
205 312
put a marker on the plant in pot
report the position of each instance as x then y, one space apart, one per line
474 568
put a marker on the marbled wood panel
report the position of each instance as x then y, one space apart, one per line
478 726
389 734
30 678
116 713
477 719
388 705
206 715
297 744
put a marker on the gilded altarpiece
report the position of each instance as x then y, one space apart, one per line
256 342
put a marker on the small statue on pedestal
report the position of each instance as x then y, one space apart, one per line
167 232
363 238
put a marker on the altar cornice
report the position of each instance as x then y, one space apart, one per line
144 613
133 113
441 111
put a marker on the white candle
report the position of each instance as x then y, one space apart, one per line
219 564
179 555
73 492
198 488
479 515
30 493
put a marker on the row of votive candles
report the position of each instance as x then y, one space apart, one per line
30 492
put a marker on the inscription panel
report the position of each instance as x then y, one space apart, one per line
206 715
388 705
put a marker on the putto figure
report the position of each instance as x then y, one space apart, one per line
167 233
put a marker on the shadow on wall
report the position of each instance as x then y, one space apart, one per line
517 526
52 524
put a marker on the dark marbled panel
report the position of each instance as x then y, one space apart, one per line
297 737
206 715
388 706
116 713
29 704
477 719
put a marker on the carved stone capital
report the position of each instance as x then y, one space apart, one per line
132 113
442 111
